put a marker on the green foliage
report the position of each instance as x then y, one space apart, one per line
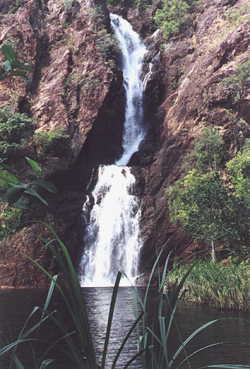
239 169
238 15
15 128
11 66
239 81
223 285
210 203
54 142
201 204
209 151
10 221
19 194
172 15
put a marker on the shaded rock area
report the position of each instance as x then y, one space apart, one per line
193 67
75 77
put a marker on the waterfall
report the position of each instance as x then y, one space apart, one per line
112 241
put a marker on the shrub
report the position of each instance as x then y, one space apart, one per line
239 81
172 16
209 151
54 142
15 128
239 169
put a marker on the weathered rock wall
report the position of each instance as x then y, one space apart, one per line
75 78
193 66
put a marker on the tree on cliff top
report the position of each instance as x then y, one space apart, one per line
172 15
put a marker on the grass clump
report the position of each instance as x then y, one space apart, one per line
238 15
223 285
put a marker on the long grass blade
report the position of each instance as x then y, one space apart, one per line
46 363
227 366
110 318
50 294
134 358
197 352
13 345
187 340
150 278
125 339
18 363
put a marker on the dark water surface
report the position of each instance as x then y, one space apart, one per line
15 305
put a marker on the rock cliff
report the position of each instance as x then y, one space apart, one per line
193 67
68 94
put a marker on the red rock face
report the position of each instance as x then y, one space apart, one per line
195 64
71 74
72 80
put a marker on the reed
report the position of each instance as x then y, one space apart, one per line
154 334
225 286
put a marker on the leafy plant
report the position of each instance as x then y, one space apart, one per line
11 66
10 220
17 193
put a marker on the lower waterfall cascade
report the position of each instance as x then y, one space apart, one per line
112 237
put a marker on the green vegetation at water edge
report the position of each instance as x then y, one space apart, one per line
222 285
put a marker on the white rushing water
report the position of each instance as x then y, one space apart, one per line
112 241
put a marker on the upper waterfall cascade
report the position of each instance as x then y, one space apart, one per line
112 241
